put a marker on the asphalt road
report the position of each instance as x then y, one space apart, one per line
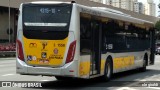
130 80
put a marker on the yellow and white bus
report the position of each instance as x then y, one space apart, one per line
66 39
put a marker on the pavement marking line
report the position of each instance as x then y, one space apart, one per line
44 80
8 74
126 88
143 80
158 88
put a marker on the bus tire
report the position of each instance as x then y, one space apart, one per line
143 69
108 70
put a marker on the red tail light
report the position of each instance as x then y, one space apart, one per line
71 52
20 50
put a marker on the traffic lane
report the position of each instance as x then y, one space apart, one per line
7 62
124 79
157 58
7 66
17 77
127 78
8 72
93 84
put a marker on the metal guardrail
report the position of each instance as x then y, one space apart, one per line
7 53
7 49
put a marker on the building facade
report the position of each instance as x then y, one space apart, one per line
8 24
127 4
124 4
139 7
148 8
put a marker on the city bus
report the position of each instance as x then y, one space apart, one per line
67 39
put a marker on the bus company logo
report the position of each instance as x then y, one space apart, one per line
44 44
55 51
32 45
44 55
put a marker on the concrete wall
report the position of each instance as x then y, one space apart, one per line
4 25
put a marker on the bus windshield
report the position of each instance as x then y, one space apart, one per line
46 17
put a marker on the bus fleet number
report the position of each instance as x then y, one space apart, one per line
61 45
109 46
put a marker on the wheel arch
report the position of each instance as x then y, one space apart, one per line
110 57
146 57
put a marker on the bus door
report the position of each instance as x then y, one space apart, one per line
96 46
152 44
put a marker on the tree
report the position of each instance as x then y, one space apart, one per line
157 26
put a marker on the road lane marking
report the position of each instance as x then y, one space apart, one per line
126 88
8 74
137 83
158 88
44 80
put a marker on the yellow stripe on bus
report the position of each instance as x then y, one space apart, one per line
84 68
102 65
123 62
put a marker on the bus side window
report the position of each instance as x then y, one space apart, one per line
113 34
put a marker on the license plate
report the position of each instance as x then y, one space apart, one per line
44 61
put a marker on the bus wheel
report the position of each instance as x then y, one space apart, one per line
108 70
143 69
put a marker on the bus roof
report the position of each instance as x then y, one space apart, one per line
111 13
111 10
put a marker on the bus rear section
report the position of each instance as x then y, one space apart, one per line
45 45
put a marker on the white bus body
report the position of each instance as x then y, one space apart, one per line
48 57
